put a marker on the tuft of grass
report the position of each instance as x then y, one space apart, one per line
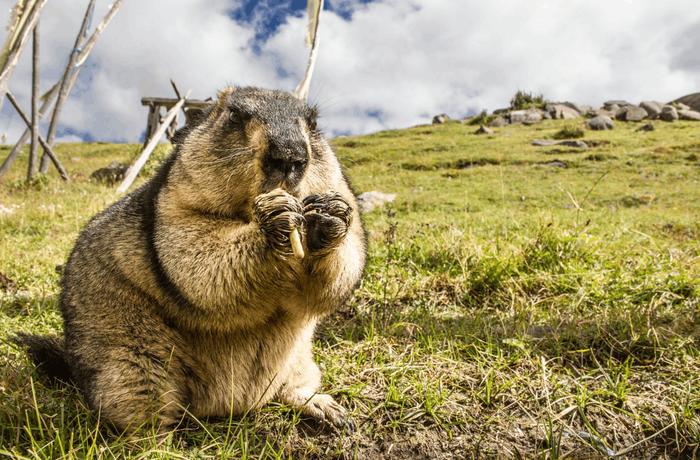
569 132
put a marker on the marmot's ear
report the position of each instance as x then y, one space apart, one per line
223 94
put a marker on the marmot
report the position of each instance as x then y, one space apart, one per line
185 295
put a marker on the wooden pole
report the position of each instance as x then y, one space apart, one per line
35 98
15 44
64 86
134 169
42 142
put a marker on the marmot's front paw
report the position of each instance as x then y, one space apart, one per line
328 218
278 213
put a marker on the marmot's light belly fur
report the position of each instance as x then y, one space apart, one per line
184 295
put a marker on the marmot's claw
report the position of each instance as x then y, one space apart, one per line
278 213
328 218
331 203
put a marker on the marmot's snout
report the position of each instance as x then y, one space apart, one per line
285 162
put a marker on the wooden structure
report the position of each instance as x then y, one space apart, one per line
26 20
155 105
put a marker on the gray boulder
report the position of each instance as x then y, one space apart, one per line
562 112
631 113
368 201
668 113
600 123
440 119
618 102
689 115
528 116
580 108
653 108
498 122
681 106
483 130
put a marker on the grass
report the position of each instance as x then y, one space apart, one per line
510 308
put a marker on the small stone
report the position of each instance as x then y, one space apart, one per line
440 119
669 113
483 130
646 128
576 143
369 201
601 123
689 115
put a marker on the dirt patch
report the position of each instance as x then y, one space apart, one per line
600 157
457 164
634 201
7 284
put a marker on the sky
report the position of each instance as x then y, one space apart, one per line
382 63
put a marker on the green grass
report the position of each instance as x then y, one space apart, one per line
512 307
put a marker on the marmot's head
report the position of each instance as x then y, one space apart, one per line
248 142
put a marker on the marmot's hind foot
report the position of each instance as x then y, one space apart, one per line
323 408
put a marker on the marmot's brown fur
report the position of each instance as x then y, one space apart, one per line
185 296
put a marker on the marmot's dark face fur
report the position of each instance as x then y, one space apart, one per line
184 295
249 142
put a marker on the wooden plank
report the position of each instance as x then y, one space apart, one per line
47 147
169 102
134 169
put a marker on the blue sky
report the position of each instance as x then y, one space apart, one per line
382 63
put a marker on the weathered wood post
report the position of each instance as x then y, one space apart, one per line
35 99
65 87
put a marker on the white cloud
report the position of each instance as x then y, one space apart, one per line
394 63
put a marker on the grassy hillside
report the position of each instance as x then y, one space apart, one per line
513 305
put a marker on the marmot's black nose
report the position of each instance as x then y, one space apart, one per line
286 160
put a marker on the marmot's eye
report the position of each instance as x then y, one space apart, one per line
238 118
